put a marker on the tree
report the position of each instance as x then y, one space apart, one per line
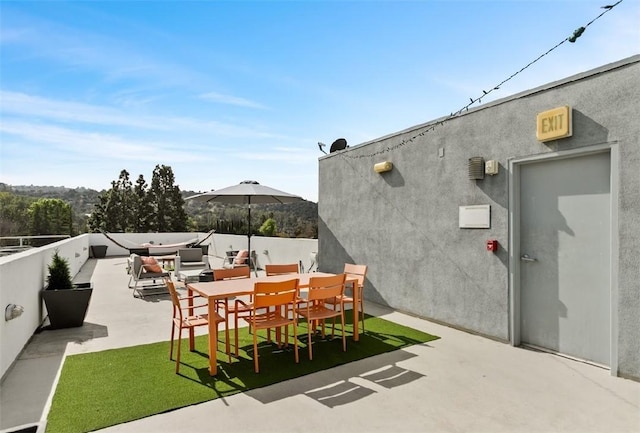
142 208
268 228
114 213
167 201
125 208
14 217
59 277
50 216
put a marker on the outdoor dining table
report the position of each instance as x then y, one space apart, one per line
224 289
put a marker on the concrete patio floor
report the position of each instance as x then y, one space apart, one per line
459 383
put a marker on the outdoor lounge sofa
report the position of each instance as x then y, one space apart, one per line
190 262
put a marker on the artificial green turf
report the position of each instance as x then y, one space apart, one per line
100 389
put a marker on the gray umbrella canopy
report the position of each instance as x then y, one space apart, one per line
247 192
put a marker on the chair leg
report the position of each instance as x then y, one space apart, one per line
286 336
255 352
344 338
362 313
333 328
295 342
235 329
178 356
309 341
217 332
333 322
173 332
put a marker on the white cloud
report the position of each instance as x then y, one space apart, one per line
231 100
281 154
21 104
94 144
37 107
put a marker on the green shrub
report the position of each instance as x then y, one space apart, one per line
59 273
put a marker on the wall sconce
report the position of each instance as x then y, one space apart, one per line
491 167
383 167
12 311
476 168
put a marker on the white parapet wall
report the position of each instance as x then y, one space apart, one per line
22 277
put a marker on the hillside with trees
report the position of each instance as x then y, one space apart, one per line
158 207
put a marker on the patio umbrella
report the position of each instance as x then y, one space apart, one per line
246 192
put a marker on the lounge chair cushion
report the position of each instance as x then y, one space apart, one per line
190 255
150 264
241 258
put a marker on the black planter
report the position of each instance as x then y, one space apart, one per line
99 251
67 308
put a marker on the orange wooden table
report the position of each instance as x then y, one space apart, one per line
224 289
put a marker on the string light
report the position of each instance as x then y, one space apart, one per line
576 34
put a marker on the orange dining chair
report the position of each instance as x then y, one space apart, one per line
271 307
358 273
230 274
283 269
183 319
320 290
277 269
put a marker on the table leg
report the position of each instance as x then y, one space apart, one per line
213 339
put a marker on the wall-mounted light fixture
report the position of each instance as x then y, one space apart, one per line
491 167
476 168
383 167
12 311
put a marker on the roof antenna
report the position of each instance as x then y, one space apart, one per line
320 146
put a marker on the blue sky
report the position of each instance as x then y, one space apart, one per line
224 91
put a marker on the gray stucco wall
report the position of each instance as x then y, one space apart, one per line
404 224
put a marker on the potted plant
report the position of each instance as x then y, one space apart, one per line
99 251
66 302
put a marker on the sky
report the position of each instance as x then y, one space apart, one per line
227 91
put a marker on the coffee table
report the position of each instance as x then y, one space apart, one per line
189 275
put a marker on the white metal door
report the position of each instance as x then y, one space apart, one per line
565 229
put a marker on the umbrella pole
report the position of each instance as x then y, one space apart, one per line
249 231
255 270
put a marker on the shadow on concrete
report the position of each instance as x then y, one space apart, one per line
334 387
86 272
26 391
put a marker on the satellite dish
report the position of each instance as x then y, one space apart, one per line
339 144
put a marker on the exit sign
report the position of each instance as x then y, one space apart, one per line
554 124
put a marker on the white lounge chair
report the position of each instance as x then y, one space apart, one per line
190 262
144 281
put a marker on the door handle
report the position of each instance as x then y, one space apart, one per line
526 258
